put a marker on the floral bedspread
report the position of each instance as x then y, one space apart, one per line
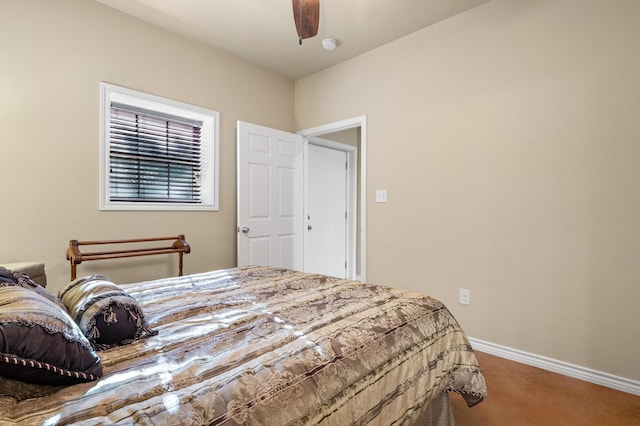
267 346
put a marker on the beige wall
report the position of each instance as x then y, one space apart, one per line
508 140
54 55
505 137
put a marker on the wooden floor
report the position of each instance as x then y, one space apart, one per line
519 394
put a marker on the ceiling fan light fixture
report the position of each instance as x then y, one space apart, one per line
306 14
329 43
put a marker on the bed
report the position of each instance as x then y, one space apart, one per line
267 346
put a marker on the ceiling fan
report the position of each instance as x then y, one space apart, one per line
306 14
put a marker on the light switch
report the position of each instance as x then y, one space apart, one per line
381 195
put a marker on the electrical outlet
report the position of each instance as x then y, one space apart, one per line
381 195
465 296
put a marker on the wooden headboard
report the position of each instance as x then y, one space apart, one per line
75 256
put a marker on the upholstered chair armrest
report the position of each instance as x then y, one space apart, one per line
35 270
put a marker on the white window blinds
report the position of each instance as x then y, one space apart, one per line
153 157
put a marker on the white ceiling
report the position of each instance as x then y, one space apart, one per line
263 31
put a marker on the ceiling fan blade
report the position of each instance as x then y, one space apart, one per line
306 14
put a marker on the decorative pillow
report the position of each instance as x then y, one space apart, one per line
106 314
6 276
9 277
40 343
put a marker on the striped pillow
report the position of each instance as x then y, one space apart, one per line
106 314
40 343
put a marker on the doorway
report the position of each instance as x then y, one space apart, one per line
358 126
258 169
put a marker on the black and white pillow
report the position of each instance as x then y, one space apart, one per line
106 314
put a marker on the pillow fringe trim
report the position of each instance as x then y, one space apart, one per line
30 363
92 332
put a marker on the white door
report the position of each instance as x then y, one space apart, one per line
357 189
270 197
325 242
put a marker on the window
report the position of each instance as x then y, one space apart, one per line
156 153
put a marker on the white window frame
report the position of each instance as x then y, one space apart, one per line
210 135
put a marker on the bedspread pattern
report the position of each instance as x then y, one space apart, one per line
266 346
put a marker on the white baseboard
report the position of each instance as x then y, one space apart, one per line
592 376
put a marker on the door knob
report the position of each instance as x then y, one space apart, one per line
309 227
245 230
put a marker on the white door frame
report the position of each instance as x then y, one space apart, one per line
351 123
351 191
